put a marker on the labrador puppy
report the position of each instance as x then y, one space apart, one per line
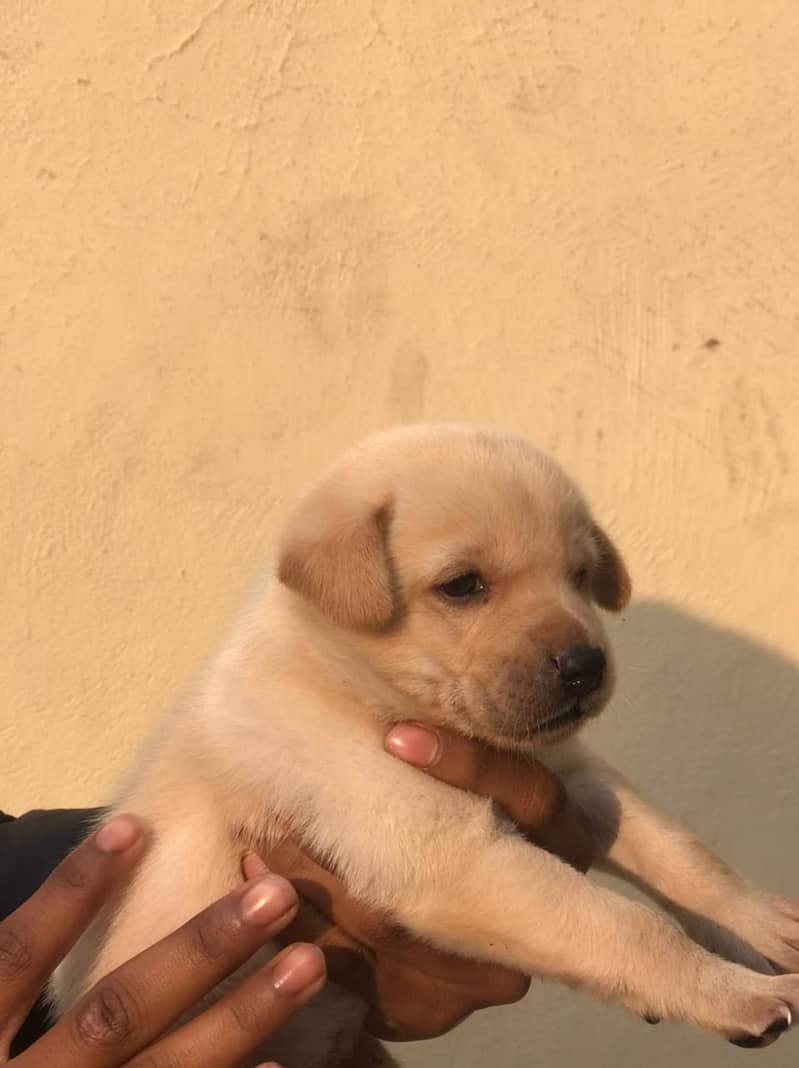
448 575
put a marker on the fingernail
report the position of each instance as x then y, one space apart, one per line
414 744
118 834
252 866
302 966
269 898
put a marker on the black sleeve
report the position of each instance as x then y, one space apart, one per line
30 847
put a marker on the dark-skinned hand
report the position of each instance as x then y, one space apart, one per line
122 1019
415 991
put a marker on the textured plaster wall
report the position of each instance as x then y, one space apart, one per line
236 236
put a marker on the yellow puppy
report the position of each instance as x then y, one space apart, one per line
448 575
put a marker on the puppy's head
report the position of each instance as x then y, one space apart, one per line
469 568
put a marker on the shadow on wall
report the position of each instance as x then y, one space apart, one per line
706 723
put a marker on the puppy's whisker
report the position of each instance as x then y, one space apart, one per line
631 704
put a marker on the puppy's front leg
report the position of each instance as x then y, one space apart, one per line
715 905
512 902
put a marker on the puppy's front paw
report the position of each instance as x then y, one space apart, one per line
751 1010
754 929
775 931
771 926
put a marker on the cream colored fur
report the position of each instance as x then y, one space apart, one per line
350 634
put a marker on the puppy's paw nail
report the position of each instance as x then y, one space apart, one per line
748 1041
771 1034
652 1019
780 1025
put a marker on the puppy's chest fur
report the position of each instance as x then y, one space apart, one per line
226 774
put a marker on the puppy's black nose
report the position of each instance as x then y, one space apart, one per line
581 668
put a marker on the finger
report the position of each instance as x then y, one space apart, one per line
412 1002
35 938
424 1020
370 955
240 1021
349 962
532 795
350 935
330 915
319 887
416 991
130 1007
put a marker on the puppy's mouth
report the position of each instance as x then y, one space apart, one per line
571 716
557 726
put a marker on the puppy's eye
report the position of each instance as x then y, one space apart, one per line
580 577
468 585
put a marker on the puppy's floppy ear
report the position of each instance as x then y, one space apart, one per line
334 551
610 583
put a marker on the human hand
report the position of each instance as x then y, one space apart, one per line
120 1020
529 793
415 991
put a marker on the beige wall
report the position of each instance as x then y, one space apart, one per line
236 236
